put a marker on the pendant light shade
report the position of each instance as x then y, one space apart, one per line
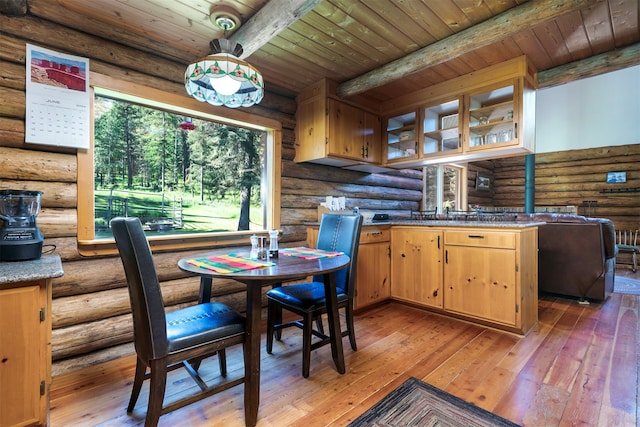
222 78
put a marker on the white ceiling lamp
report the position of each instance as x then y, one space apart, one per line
222 78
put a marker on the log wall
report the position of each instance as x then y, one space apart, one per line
91 318
576 178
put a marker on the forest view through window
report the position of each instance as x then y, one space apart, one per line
179 175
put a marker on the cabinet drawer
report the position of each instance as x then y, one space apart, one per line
480 237
372 234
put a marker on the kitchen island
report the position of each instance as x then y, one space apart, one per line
480 271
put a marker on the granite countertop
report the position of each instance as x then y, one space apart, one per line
474 224
446 223
47 267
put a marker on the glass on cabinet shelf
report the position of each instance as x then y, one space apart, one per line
401 149
493 133
401 136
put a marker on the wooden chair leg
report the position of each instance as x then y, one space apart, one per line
156 391
138 379
319 325
222 360
350 326
277 318
271 308
307 327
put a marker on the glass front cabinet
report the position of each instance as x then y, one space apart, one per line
441 133
402 141
492 118
487 114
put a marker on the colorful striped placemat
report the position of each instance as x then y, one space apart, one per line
231 263
308 253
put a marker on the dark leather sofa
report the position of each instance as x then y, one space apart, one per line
576 255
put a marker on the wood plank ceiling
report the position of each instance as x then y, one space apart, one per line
411 43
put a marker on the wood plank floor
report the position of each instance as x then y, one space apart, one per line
579 366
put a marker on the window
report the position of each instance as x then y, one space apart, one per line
444 187
194 178
178 174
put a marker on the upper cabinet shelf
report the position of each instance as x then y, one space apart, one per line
401 137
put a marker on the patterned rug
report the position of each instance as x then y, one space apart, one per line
626 285
416 403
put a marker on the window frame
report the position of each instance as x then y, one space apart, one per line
461 198
180 104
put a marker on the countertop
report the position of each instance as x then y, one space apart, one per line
474 224
444 223
47 267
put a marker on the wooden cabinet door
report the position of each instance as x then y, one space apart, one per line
311 130
372 138
493 116
22 352
481 282
416 265
373 280
346 128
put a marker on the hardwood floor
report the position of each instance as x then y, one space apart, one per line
579 366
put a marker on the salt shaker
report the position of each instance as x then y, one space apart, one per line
273 244
254 247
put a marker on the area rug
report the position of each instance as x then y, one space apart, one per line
626 285
416 403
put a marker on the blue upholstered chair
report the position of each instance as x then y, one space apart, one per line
336 233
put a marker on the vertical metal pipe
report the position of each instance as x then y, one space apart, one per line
529 183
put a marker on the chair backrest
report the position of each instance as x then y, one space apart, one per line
627 237
147 306
341 233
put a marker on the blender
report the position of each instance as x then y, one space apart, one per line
20 238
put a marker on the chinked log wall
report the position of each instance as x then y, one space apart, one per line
577 178
91 316
91 319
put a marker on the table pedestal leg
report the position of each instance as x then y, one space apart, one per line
205 289
252 355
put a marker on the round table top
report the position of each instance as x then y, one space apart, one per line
285 268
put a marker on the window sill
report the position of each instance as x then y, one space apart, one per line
102 247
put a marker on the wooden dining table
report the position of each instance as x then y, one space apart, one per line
284 269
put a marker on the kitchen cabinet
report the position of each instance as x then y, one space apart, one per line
332 132
373 270
373 276
485 114
441 133
401 137
25 340
491 275
493 116
416 265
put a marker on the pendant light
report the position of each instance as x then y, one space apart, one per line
222 78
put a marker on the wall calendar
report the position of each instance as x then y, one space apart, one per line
57 99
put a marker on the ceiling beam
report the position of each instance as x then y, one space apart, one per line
493 30
595 65
269 21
